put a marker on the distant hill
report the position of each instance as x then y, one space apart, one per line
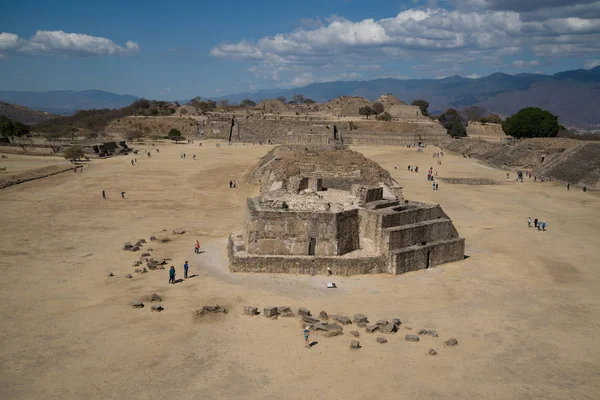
66 102
572 95
24 114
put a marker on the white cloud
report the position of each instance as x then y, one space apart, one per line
522 63
589 64
478 31
62 43
473 76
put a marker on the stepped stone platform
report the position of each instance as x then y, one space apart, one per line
301 226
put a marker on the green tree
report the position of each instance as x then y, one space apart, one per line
378 107
423 105
9 127
531 122
456 129
247 103
155 137
366 111
73 153
134 135
173 133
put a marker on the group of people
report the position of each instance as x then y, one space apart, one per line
413 168
172 272
540 225
133 162
430 174
104 195
232 184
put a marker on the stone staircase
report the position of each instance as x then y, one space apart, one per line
414 235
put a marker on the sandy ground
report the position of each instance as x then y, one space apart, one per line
18 163
524 306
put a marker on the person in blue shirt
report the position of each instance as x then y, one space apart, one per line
172 274
185 270
306 335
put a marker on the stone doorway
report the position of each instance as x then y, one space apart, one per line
312 245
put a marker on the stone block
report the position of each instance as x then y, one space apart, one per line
359 318
381 340
270 311
285 311
342 319
354 333
396 321
334 327
361 324
250 310
355 344
155 297
156 307
411 338
304 312
138 304
382 322
372 328
389 328
310 320
332 333
451 342
433 352
323 315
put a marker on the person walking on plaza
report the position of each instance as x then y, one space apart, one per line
172 274
535 223
185 270
197 247
529 222
544 225
104 195
306 336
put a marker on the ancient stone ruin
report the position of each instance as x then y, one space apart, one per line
331 210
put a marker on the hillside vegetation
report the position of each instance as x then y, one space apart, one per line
24 115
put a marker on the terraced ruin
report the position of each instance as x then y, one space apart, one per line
332 208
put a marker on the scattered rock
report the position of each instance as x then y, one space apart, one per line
156 307
155 297
285 311
152 264
428 332
127 246
323 315
152 238
144 270
178 232
135 248
270 312
146 254
360 318
381 340
342 319
138 304
211 310
128 276
451 342
333 333
382 322
304 312
355 344
111 274
141 241
354 333
164 239
390 328
320 326
372 328
137 270
411 338
334 327
361 324
396 321
310 320
433 352
137 263
251 311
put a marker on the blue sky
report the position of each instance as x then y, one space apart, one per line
178 50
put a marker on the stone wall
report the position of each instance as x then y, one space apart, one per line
425 256
153 125
410 235
306 264
282 232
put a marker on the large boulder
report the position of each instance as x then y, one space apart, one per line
412 338
270 311
304 312
138 304
451 342
360 318
355 344
250 311
343 319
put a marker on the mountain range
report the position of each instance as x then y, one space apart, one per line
572 95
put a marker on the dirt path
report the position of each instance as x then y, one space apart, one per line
524 305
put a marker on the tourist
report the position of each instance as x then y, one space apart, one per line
395 166
197 247
409 167
172 275
568 186
104 195
329 273
123 194
306 336
529 222
185 270
194 157
437 186
544 225
535 223
230 184
433 186
132 163
417 168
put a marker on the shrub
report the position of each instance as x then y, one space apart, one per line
423 105
377 107
73 153
284 206
386 116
